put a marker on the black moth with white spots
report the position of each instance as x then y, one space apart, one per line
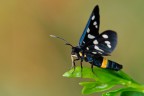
93 42
93 46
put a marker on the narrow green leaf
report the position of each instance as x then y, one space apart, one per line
84 73
108 75
112 93
92 87
119 91
132 93
90 84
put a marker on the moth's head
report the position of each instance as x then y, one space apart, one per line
75 51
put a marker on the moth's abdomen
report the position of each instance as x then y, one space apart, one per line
105 63
113 65
108 64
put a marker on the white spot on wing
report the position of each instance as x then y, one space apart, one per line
88 30
95 23
107 42
99 52
95 42
105 36
91 36
97 48
83 42
93 17
87 48
109 45
94 52
96 26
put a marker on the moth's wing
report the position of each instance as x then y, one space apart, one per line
103 45
91 30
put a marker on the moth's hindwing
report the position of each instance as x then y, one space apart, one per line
104 44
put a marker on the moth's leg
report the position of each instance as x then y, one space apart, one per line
81 66
92 65
74 65
72 59
73 62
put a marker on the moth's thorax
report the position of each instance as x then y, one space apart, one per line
75 50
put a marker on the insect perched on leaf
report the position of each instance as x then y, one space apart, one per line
93 46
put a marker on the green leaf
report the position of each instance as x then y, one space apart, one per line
103 75
107 75
78 72
104 79
92 87
114 92
120 91
132 93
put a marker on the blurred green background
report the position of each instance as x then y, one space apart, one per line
32 63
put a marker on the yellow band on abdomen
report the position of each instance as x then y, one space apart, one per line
104 63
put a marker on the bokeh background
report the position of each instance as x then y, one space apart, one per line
32 63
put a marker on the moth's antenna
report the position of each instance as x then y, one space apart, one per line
66 43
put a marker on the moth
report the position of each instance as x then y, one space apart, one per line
93 46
